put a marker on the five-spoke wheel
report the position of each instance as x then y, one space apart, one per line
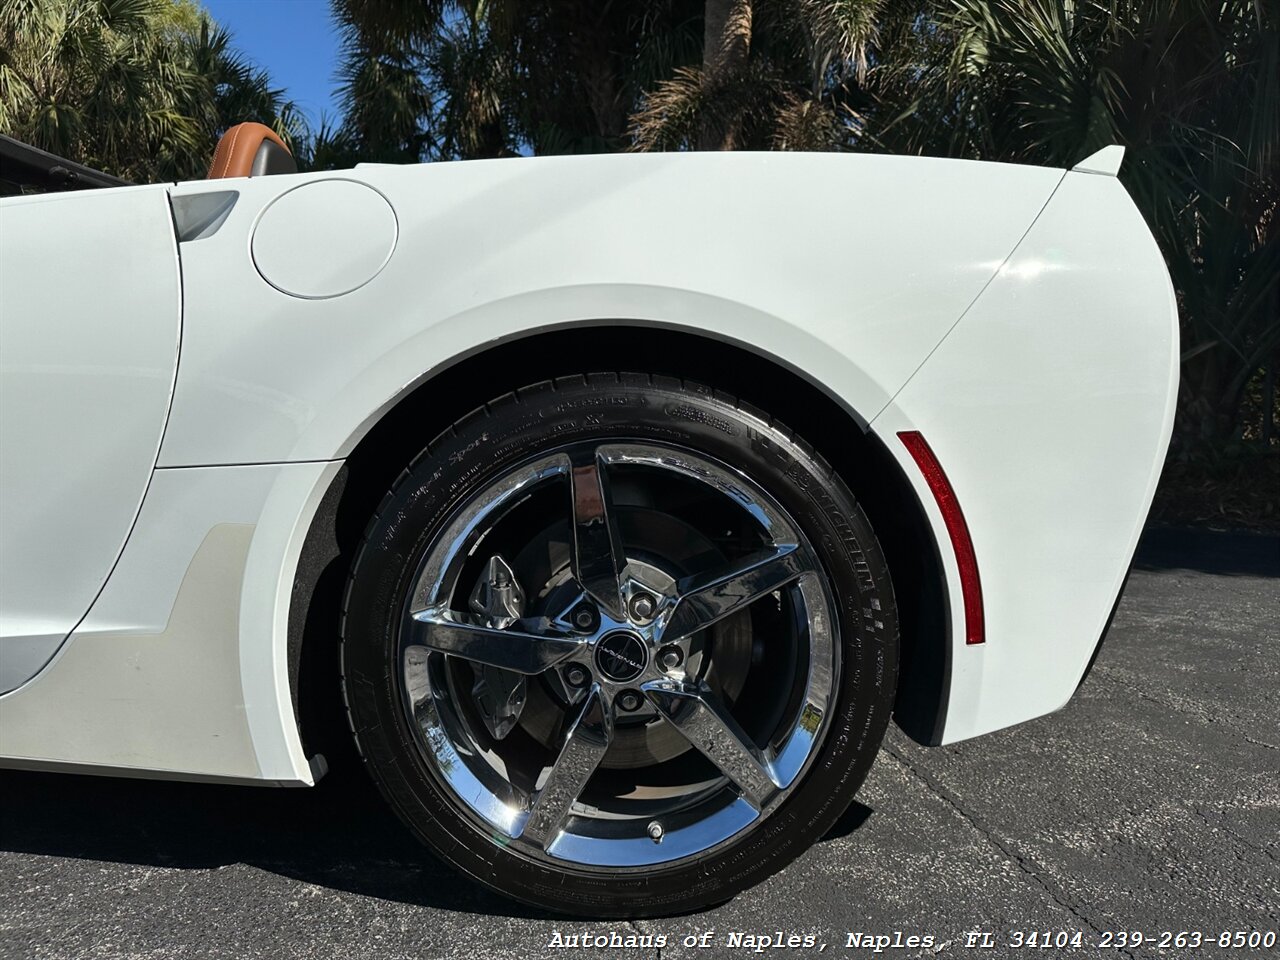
615 638
617 622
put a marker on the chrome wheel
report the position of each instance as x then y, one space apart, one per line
619 655
617 645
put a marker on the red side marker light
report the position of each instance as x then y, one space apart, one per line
966 562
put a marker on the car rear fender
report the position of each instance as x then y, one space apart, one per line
1049 407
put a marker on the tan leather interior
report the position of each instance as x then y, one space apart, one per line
250 150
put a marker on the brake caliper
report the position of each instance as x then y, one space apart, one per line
499 694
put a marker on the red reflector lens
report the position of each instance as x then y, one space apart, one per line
966 562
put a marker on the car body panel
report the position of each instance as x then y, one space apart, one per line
1018 317
88 352
1050 407
176 669
490 250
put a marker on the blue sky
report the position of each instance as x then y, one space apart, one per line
295 40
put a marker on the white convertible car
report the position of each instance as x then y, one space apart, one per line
618 503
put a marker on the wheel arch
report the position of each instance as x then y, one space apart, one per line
403 429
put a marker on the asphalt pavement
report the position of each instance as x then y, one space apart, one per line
1151 803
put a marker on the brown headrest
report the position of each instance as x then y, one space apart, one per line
251 150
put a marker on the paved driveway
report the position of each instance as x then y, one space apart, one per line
1151 803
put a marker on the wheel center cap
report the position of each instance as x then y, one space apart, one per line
621 656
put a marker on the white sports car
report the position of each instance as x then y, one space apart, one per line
617 502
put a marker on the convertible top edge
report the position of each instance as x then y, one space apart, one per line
24 165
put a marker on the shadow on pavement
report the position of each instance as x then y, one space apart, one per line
338 834
1209 551
849 821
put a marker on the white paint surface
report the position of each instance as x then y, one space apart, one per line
850 268
1050 408
89 325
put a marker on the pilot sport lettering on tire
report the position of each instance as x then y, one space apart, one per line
618 645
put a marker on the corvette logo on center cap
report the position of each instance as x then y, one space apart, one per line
622 656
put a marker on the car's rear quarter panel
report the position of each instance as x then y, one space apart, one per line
848 268
1050 408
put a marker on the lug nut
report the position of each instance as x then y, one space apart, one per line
584 618
576 675
643 607
670 657
655 831
629 700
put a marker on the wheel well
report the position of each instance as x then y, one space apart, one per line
378 459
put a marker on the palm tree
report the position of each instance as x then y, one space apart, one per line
138 88
774 74
471 78
383 75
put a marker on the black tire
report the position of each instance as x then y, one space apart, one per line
637 407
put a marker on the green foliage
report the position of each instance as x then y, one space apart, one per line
800 88
452 79
138 88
